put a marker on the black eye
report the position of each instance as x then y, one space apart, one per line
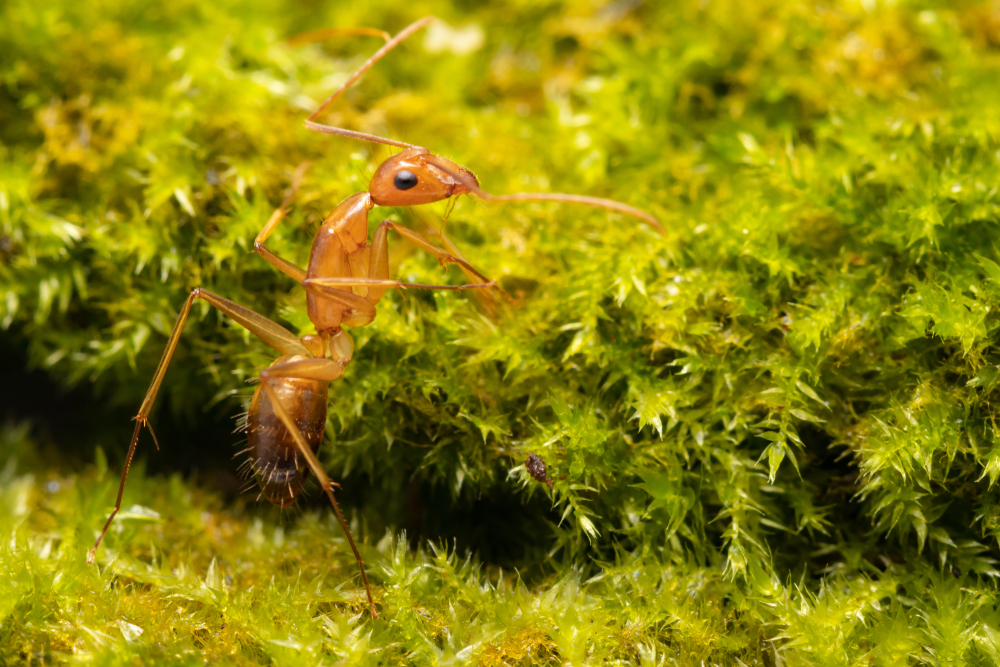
405 180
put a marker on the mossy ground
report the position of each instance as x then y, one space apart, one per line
772 434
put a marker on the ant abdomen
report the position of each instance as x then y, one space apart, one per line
279 467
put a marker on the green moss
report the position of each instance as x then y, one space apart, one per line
771 434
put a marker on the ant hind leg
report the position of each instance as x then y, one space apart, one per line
324 370
275 335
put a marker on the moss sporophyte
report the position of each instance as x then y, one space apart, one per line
764 437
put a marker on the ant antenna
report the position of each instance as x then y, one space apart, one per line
324 34
597 202
466 180
389 46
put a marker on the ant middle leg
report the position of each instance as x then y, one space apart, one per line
333 289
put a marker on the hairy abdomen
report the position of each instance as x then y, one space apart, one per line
277 463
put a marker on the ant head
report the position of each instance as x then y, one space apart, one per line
410 178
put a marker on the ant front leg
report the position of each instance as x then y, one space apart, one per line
486 298
380 249
283 265
323 370
276 336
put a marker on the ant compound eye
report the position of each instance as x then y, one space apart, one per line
405 180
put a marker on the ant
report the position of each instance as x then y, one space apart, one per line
345 280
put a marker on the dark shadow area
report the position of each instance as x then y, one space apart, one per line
74 422
500 529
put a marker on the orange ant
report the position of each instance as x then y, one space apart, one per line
346 278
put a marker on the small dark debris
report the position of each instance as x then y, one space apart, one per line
536 468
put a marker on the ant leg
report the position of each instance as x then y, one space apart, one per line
275 335
486 298
363 310
324 286
380 251
316 368
324 370
389 46
349 300
379 262
453 249
283 265
333 289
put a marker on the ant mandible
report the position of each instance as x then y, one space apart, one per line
346 278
